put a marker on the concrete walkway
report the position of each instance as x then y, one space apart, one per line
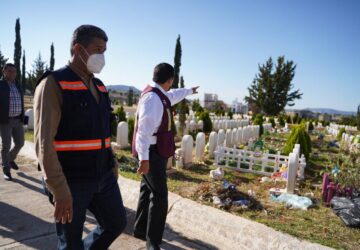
26 220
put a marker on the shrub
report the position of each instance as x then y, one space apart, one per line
281 121
259 120
272 121
298 135
120 114
205 117
311 126
230 114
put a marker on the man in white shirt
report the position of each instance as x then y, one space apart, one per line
153 144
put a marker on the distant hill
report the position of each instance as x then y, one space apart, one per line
326 111
123 88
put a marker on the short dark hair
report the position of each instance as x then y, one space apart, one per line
8 65
84 35
163 72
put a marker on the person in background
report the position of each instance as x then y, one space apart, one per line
11 119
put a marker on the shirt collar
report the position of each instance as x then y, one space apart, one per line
82 74
154 84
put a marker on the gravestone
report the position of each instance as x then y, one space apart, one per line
200 146
187 148
122 135
228 138
221 138
212 143
30 114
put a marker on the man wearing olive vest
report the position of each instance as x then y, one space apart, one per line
72 142
153 143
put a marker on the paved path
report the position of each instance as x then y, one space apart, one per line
26 220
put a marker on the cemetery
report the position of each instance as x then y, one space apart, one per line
236 169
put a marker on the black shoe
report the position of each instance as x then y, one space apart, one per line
7 177
14 166
140 236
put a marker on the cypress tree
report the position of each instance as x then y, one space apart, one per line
52 58
177 63
23 72
17 50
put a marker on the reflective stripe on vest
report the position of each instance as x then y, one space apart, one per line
80 145
76 85
102 88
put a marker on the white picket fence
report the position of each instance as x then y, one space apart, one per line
255 162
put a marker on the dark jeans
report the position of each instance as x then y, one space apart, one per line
153 202
104 200
13 129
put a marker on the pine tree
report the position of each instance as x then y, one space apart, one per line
269 92
17 50
177 63
39 67
3 61
52 58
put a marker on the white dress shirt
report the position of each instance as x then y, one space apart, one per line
150 111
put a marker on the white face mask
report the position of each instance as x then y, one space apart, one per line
95 62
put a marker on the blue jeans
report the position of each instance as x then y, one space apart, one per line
103 199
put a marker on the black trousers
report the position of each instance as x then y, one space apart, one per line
153 201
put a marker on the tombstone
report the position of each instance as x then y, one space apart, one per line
227 124
292 170
179 158
122 135
239 135
296 149
192 126
200 125
234 140
302 167
30 114
200 146
187 148
215 125
221 138
213 137
228 138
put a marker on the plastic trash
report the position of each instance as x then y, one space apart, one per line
216 200
229 186
241 202
217 174
252 193
347 209
265 179
294 201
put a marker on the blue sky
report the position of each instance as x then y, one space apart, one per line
222 41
